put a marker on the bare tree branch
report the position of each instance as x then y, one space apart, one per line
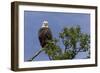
37 53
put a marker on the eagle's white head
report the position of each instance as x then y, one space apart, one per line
45 24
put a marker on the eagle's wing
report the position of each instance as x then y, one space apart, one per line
44 35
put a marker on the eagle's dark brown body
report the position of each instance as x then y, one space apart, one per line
44 35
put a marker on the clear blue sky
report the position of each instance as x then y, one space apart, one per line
57 21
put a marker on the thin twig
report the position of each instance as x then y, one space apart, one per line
49 57
79 50
37 53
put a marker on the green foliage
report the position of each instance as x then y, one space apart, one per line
70 54
52 49
70 37
84 42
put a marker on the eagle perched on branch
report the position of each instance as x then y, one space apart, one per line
44 34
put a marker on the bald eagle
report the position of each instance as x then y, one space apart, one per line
44 34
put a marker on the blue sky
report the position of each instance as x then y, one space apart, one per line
57 21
